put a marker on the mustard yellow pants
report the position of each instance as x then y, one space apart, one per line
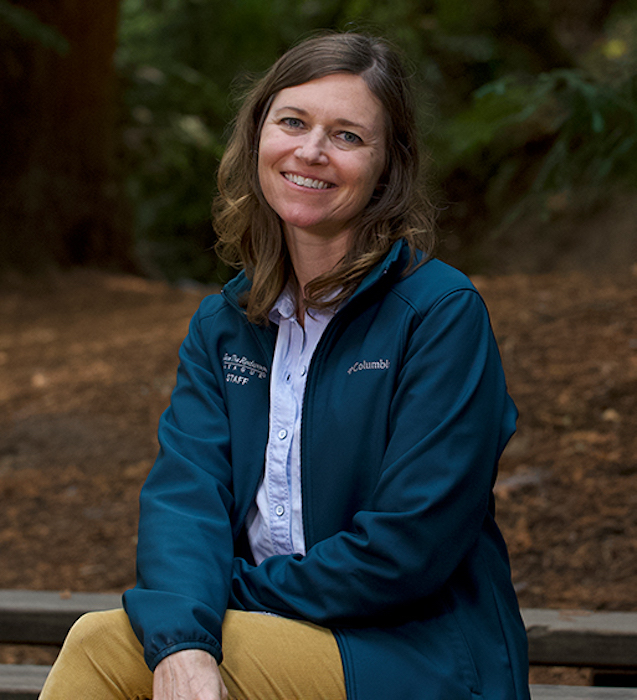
265 658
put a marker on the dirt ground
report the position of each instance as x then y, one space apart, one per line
87 363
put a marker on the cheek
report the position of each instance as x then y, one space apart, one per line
263 148
272 144
264 173
370 177
268 180
270 151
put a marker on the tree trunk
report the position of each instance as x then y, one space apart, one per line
61 202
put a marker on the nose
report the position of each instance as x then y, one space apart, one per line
312 148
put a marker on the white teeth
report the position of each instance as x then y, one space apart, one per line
306 182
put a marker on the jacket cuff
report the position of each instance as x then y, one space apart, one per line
213 649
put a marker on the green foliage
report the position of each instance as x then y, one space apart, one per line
530 137
459 17
490 115
594 124
29 27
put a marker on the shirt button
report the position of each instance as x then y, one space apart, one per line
303 370
283 434
279 510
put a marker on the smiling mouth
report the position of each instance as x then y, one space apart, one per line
308 182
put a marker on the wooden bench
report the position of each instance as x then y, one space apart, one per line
606 642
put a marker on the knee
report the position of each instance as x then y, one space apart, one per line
95 630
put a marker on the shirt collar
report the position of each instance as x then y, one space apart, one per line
285 307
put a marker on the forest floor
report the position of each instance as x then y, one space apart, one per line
88 360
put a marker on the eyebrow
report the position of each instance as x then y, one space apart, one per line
340 121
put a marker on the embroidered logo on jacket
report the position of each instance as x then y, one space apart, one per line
364 364
240 369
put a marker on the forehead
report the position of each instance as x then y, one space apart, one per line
341 97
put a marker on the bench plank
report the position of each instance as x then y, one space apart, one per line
22 682
563 692
582 638
44 617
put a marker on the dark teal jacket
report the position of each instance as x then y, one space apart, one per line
404 418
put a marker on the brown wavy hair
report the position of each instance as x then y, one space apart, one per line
249 232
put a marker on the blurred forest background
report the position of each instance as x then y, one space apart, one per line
115 112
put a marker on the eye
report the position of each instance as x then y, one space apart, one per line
350 138
292 122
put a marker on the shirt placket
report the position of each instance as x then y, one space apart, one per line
281 441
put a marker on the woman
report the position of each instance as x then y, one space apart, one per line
332 442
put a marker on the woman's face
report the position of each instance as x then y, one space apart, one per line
321 152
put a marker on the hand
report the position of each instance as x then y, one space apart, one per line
192 674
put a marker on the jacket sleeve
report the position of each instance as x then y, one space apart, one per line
185 548
449 422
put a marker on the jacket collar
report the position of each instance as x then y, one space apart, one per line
387 270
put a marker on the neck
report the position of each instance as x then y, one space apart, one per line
314 255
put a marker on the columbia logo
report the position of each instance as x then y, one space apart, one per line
364 364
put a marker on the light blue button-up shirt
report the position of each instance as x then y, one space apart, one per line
275 523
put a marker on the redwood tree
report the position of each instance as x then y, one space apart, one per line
60 201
